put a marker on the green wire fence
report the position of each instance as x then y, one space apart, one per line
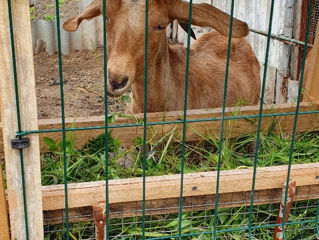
213 230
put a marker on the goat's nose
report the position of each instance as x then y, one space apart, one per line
117 82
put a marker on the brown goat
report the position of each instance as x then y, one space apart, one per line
167 63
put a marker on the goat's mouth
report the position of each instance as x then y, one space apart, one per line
116 92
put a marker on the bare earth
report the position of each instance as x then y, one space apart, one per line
83 85
82 75
45 8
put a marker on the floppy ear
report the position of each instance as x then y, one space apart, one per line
206 15
93 10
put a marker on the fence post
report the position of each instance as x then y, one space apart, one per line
28 113
312 84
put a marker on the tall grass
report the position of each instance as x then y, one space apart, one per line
163 157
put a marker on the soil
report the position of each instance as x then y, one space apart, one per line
46 9
83 85
82 74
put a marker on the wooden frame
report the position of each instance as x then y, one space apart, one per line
28 113
171 205
128 135
165 187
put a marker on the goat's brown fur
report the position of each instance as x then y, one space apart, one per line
167 63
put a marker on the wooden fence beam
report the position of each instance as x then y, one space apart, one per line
165 187
28 113
312 84
171 205
128 135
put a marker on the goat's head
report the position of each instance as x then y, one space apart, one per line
126 33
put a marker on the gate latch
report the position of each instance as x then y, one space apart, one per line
20 143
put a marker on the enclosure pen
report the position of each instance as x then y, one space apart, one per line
206 194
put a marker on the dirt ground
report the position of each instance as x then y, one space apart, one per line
82 74
83 85
46 8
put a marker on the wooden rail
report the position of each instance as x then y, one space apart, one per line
166 187
162 193
233 128
171 205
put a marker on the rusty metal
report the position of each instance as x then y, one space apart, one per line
99 220
278 233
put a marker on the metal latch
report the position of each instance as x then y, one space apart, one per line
20 143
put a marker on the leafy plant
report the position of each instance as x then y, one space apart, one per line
32 13
163 156
49 17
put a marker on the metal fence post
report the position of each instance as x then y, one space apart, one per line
23 73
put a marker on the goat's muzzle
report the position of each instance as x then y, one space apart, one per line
117 84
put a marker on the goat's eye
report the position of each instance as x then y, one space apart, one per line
160 27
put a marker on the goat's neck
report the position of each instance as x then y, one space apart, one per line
159 87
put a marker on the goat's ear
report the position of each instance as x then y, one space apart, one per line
184 26
206 15
93 10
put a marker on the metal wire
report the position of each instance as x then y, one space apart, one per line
106 135
220 146
145 113
260 118
184 120
65 171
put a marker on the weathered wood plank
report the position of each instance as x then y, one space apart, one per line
312 84
4 233
163 187
171 205
28 113
128 135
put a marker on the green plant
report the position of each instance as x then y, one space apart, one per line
32 11
61 2
49 17
50 5
163 157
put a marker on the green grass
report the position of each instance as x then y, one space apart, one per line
163 157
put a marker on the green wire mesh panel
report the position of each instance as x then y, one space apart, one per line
200 217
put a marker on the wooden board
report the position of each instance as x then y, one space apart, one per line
28 114
190 204
4 233
312 84
128 135
164 187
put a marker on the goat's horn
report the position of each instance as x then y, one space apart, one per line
206 15
93 10
184 26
